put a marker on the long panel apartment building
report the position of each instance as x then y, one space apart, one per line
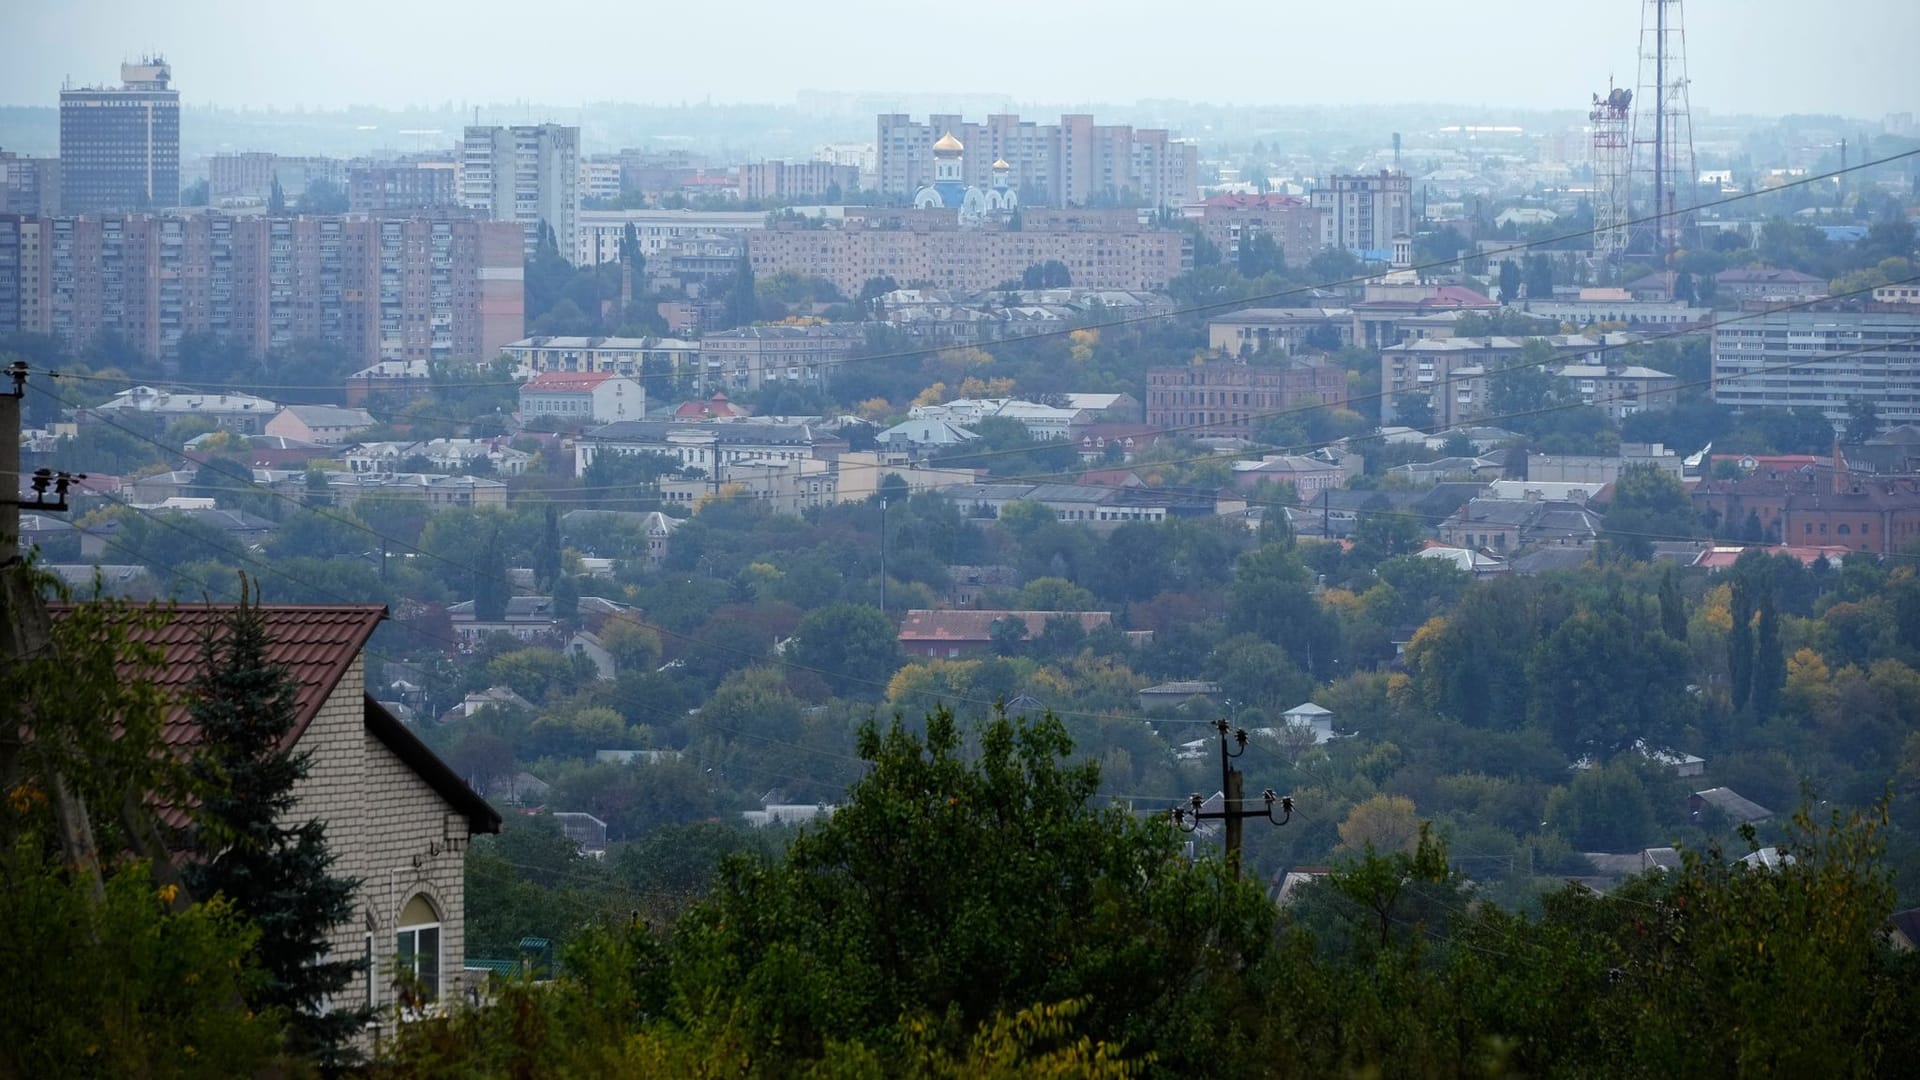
383 288
1074 162
1827 358
1102 249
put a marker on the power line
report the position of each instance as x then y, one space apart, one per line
699 642
1199 309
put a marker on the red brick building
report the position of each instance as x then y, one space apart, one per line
1226 398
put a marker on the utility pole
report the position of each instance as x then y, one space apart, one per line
883 555
26 630
1189 817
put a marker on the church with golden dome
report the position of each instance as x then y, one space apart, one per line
976 203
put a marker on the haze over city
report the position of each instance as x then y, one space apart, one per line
891 541
1754 56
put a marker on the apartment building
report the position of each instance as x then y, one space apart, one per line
1452 373
1793 359
793 180
393 289
29 185
600 177
1619 390
658 231
1253 330
250 176
749 357
402 187
528 174
1298 228
1231 398
1101 250
1365 212
1070 163
120 146
621 356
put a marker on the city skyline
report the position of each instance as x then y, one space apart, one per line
1849 63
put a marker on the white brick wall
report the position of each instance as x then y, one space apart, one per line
386 827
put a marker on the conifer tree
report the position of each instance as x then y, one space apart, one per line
1740 642
1769 657
490 587
1673 610
274 870
546 556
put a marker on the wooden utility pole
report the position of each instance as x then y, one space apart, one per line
26 632
1232 794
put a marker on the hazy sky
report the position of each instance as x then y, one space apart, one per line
1757 56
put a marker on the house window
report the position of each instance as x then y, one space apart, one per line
417 947
1845 531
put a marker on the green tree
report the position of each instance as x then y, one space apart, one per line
743 305
533 673
1605 808
276 197
1054 594
274 869
1273 600
1414 411
1539 277
852 645
491 588
1524 386
1740 640
546 557
1385 534
1009 636
1602 680
1863 420
1510 281
1769 657
1648 504
1673 609
904 894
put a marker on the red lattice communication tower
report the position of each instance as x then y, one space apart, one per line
1663 167
1611 122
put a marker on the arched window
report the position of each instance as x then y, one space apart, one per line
1845 530
417 946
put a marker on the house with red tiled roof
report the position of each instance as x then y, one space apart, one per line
397 818
600 397
949 634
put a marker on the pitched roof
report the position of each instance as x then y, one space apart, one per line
317 643
406 746
1764 276
1733 804
924 625
579 381
329 416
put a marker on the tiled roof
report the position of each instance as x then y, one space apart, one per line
317 643
923 625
